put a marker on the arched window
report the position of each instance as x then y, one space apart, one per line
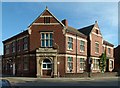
47 64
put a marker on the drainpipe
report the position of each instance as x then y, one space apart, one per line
76 53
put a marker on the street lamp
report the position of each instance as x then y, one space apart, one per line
58 74
58 69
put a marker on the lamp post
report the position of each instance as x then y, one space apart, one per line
90 67
58 69
58 74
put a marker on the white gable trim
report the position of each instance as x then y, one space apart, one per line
42 16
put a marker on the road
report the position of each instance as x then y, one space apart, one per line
84 82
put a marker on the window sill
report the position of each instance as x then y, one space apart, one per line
82 51
69 49
96 53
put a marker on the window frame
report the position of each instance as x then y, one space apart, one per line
25 43
83 64
96 64
70 43
25 63
111 64
96 47
13 46
82 45
49 39
69 68
7 49
47 20
18 46
109 51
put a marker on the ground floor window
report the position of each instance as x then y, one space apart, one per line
111 64
25 63
47 64
95 64
82 63
70 64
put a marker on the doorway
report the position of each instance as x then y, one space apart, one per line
46 67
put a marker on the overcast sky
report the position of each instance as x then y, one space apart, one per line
17 16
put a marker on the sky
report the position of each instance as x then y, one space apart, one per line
16 16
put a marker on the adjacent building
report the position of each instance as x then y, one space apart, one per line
50 48
117 58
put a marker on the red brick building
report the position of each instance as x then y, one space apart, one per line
52 48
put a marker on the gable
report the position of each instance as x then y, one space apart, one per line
96 30
47 14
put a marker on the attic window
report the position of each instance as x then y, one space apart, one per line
46 19
96 31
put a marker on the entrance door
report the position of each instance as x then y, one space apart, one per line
46 67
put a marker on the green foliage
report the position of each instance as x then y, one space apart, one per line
102 64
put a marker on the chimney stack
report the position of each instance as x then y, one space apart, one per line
65 22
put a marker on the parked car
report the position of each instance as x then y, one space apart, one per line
5 83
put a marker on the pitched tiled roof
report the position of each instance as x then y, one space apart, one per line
86 30
107 43
22 33
74 30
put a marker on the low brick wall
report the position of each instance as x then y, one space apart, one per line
85 74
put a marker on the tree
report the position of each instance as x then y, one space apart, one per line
102 64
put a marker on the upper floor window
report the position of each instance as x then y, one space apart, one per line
82 45
109 51
97 47
46 40
13 47
46 19
25 43
7 49
82 64
70 64
18 45
70 43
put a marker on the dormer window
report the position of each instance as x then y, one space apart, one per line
46 19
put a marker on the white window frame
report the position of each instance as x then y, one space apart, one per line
49 39
95 64
82 46
70 41
83 63
97 48
111 64
71 62
46 66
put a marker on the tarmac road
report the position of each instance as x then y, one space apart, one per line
84 82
